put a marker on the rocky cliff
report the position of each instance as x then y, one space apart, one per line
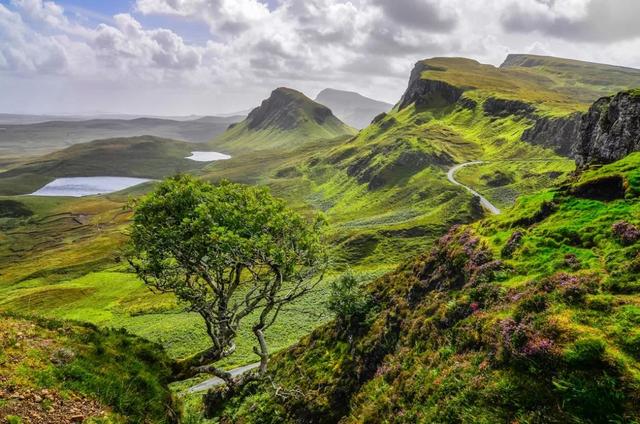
610 130
427 92
558 134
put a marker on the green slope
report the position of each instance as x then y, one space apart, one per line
285 120
21 141
384 192
530 316
585 81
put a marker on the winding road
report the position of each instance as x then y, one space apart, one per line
483 200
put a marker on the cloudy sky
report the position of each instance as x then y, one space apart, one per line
180 57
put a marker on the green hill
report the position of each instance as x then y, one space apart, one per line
285 120
144 157
529 316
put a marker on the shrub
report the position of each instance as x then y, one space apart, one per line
348 300
572 261
626 233
534 303
512 244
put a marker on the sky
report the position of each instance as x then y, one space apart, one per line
204 57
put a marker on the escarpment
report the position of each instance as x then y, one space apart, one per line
428 92
610 130
558 134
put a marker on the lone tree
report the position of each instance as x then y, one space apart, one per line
230 252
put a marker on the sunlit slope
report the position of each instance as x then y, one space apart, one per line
384 192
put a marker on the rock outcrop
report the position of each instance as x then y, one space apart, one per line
558 134
503 108
610 130
428 93
285 108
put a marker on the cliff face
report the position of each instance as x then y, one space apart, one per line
428 93
610 130
558 134
503 108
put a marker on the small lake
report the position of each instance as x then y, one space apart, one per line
86 186
207 156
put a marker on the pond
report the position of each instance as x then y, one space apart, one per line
86 186
207 156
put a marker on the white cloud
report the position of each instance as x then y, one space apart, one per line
221 15
598 21
365 45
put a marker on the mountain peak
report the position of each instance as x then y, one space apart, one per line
287 118
285 109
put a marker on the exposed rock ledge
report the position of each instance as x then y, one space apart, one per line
428 93
558 134
610 130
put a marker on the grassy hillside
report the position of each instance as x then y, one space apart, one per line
60 258
66 372
286 120
552 85
530 316
145 157
384 191
585 81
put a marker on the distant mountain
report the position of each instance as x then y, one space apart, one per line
287 118
16 118
17 141
221 119
353 108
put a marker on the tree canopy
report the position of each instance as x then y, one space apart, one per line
227 251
